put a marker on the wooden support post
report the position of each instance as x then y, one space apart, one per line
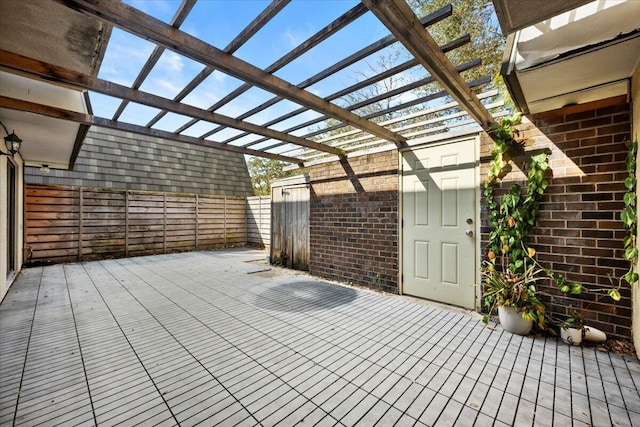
126 223
164 224
224 220
80 208
197 225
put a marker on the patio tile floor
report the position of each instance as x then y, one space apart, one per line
208 338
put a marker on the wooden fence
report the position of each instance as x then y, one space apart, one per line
259 220
70 223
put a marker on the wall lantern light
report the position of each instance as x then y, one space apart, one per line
12 142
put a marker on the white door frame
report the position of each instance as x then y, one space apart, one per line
476 222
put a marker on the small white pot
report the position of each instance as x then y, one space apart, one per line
513 322
594 334
571 336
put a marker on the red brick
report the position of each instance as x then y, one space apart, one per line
593 252
597 122
582 237
578 116
355 204
580 134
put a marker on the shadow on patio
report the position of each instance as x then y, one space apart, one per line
194 338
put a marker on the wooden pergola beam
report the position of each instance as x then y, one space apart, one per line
398 17
326 32
417 101
91 120
177 20
408 104
41 70
250 30
150 28
372 80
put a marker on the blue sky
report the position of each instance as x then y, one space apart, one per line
217 22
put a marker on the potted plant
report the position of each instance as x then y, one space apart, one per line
573 329
513 295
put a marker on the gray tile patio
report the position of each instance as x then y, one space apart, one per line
207 338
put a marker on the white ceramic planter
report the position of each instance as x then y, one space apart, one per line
513 322
571 336
594 334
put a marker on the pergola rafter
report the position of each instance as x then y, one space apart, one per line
378 45
39 69
354 136
302 137
348 17
177 20
91 120
422 100
259 22
398 17
408 87
150 28
353 88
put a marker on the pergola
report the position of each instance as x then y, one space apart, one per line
455 103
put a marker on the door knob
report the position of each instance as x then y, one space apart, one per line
469 233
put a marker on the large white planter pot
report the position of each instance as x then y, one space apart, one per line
513 322
571 336
594 334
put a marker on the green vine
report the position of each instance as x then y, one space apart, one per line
515 215
511 273
629 220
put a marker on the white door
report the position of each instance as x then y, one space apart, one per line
438 217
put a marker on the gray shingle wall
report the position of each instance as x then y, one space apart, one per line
114 159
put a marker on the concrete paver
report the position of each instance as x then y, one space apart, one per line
212 338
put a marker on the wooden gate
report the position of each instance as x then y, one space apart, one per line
290 222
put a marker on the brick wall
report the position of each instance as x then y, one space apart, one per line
354 221
121 160
579 233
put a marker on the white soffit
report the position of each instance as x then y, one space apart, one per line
44 140
591 76
583 55
517 14
587 25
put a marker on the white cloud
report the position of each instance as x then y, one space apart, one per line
292 38
124 57
171 62
166 88
296 37
219 76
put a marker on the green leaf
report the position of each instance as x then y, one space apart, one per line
614 294
630 253
629 198
631 277
624 217
630 182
